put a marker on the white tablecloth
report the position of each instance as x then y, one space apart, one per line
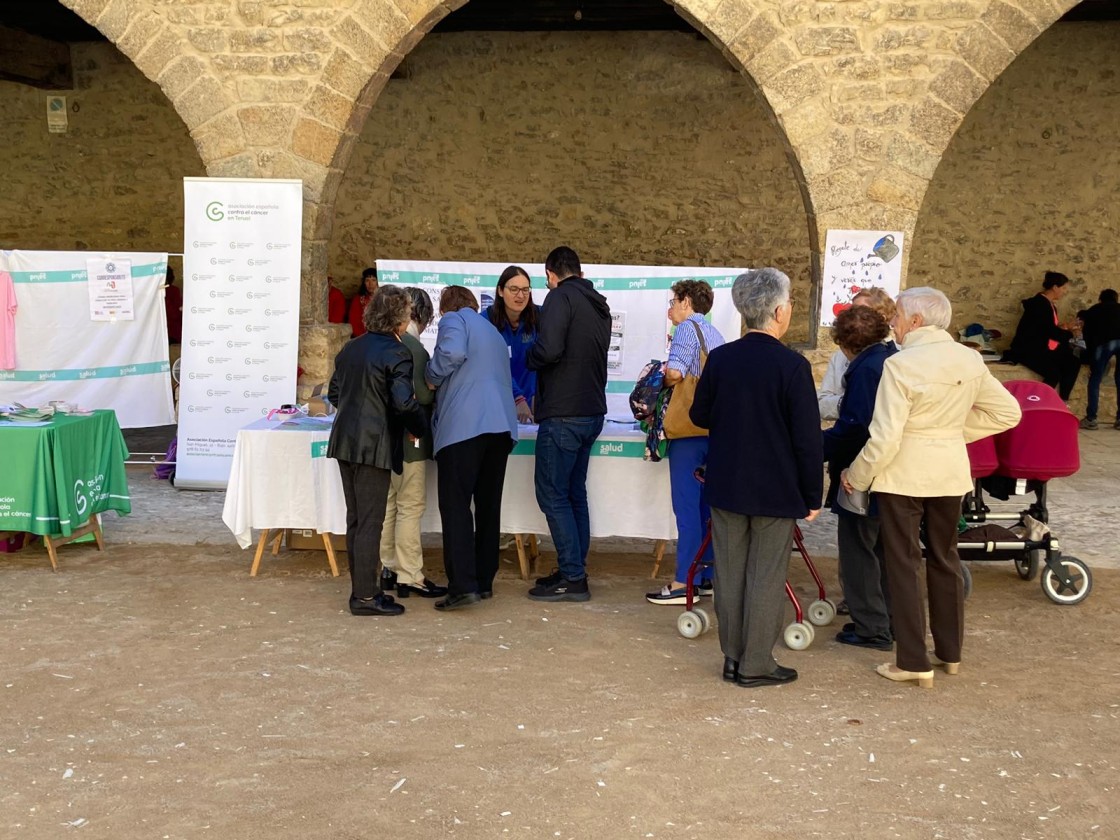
281 478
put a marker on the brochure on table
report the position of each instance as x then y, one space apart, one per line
638 296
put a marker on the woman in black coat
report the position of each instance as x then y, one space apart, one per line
372 390
1041 343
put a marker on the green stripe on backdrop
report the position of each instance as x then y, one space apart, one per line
635 283
79 275
112 372
601 448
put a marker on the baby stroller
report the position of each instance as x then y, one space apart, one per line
1020 462
695 621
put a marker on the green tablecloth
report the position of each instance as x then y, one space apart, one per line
54 477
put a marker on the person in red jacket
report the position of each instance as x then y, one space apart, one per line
336 303
358 304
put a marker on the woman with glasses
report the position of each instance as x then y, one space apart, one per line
516 316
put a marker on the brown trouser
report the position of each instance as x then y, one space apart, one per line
901 519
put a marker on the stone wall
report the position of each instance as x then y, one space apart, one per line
113 181
634 147
1030 182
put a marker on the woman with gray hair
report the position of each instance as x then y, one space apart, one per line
934 397
757 400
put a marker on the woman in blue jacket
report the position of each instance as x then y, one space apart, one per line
515 316
475 430
861 334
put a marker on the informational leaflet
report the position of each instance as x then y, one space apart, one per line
241 274
855 260
618 333
110 289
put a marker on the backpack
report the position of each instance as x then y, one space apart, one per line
643 399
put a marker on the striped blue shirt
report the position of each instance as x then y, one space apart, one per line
684 351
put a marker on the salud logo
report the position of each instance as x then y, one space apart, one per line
214 211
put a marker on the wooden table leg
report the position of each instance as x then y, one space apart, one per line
261 543
91 526
522 557
534 554
658 555
330 553
280 534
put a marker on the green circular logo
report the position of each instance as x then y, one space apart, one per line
214 211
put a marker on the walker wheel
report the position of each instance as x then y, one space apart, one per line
705 619
821 613
1027 565
690 625
966 575
1081 582
798 636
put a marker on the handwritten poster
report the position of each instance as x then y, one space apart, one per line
110 290
855 260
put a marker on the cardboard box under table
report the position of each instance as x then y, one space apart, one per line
281 478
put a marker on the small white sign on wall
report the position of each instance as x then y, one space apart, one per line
57 119
855 260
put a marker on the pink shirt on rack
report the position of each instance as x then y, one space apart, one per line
8 307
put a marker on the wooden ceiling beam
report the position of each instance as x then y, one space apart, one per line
34 60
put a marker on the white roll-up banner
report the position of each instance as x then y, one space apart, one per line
638 295
93 340
241 279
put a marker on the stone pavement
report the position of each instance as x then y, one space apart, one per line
1082 508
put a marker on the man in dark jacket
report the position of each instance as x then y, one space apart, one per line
1041 343
1102 342
570 358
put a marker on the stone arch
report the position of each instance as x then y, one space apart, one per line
162 53
374 37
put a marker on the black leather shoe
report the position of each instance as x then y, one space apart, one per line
779 676
388 580
457 602
850 637
730 669
425 590
486 594
380 605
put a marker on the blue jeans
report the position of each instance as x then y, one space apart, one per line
1102 355
563 454
689 507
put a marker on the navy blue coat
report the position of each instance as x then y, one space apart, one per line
843 442
757 399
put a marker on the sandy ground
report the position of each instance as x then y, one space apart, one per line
157 691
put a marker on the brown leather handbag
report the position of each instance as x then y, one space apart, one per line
677 423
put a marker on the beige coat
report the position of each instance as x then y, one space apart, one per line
935 396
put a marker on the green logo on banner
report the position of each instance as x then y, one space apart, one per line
214 211
319 449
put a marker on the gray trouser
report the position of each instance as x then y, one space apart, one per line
863 569
752 559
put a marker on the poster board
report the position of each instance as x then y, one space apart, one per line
64 353
855 260
638 296
241 282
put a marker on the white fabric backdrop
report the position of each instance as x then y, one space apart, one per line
62 354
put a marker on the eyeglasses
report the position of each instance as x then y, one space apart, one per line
518 291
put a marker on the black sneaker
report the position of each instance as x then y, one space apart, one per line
561 590
551 579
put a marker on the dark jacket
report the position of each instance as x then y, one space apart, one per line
846 438
757 399
1035 330
570 355
1101 324
372 390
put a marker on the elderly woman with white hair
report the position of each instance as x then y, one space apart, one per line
757 400
934 397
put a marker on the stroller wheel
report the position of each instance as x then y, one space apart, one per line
798 636
690 625
705 619
1027 565
1079 586
822 612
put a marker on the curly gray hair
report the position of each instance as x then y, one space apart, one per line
389 307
